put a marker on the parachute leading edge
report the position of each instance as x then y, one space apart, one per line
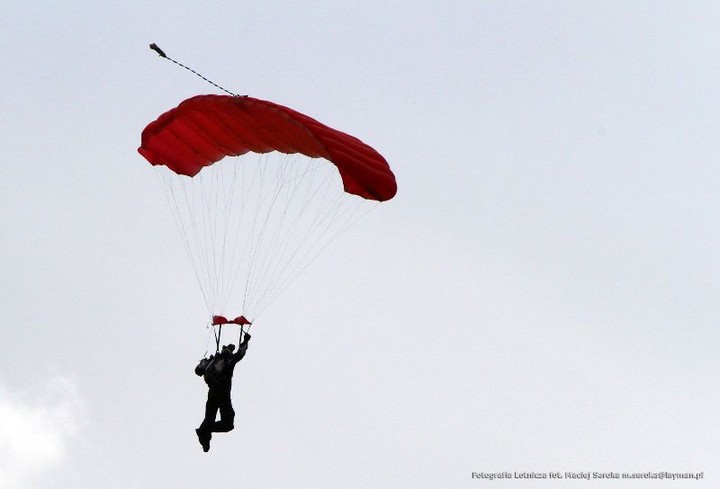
204 129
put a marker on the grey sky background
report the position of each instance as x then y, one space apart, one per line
541 294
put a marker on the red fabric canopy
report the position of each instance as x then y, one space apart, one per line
204 129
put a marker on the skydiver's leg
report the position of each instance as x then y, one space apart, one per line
204 432
227 417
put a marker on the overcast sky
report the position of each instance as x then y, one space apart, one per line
540 296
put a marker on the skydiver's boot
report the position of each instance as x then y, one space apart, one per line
204 439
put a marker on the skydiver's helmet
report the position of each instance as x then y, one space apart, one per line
228 348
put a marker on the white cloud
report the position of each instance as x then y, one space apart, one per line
36 427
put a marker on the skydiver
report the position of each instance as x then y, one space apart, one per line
217 372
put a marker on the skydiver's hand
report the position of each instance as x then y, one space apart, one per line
247 337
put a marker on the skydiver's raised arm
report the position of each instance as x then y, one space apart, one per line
242 348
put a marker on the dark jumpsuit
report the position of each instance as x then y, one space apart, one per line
218 399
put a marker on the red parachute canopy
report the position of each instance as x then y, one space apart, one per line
206 128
